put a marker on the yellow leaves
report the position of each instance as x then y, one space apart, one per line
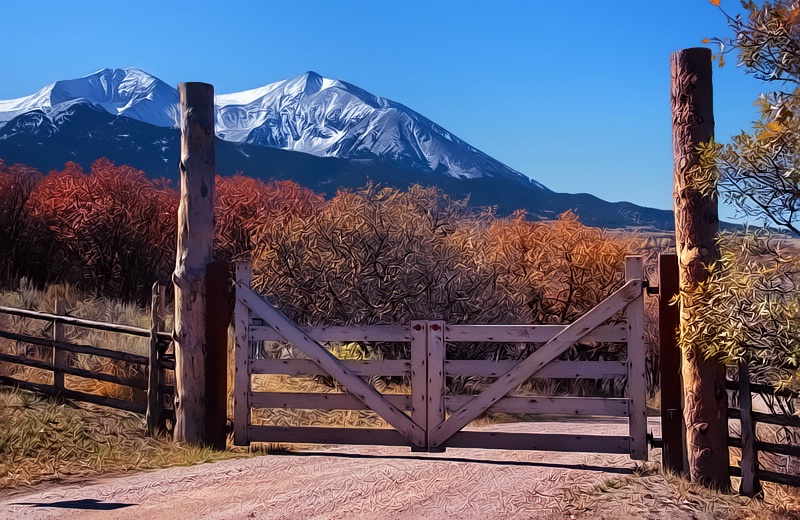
774 126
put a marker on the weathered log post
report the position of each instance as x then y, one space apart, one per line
194 253
696 226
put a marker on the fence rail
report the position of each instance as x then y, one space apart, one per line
749 469
157 414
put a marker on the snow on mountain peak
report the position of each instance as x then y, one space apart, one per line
309 113
127 92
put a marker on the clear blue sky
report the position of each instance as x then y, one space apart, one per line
574 94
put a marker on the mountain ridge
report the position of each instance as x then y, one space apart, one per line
46 135
309 113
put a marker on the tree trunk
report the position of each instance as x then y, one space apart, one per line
696 225
195 247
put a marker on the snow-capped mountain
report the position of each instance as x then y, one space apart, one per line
321 133
309 113
120 92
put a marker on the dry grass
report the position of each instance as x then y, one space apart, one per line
651 489
44 438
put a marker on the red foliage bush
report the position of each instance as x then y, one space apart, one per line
114 229
19 255
245 205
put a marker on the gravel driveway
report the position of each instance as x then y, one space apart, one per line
341 482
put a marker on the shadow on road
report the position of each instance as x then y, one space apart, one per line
580 467
88 504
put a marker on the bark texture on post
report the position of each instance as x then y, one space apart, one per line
194 253
696 226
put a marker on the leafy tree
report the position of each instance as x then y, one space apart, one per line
750 309
759 171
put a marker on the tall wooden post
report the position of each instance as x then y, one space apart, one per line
194 253
696 226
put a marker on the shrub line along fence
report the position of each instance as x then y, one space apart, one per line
155 410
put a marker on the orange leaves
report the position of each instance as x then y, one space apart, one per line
715 2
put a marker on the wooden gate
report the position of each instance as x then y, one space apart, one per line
437 418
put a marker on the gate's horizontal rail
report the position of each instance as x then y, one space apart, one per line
297 367
399 333
453 368
319 401
310 435
555 370
540 442
616 333
573 406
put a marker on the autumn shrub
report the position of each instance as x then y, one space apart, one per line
20 251
378 255
114 230
573 266
244 205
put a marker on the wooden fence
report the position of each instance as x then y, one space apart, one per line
749 469
430 401
156 411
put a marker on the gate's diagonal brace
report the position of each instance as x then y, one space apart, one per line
330 364
535 362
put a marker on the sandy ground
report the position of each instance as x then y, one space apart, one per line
342 482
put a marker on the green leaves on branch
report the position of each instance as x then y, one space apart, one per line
749 309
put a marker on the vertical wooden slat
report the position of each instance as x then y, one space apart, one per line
241 381
750 485
59 355
436 377
637 382
419 377
155 401
673 452
161 312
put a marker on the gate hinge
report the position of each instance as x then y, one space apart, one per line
650 290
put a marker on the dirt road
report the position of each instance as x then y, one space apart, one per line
340 482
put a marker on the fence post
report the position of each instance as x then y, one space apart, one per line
436 378
59 355
750 485
637 379
242 353
673 452
419 380
155 401
218 318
